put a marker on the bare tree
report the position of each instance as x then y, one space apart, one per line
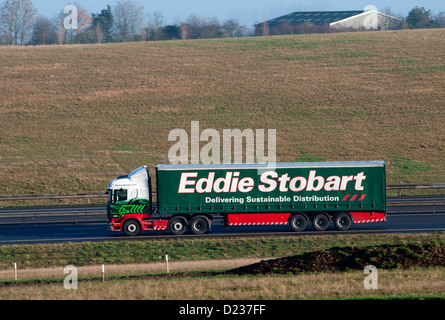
84 32
17 18
98 32
388 11
441 19
128 20
201 28
265 29
232 28
193 23
61 32
210 28
43 32
155 25
184 29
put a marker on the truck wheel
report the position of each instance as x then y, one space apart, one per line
178 225
320 222
298 222
131 227
342 221
198 225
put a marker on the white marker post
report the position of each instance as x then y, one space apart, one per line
103 273
15 271
166 264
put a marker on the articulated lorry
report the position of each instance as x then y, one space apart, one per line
191 197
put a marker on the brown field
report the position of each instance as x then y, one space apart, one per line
74 117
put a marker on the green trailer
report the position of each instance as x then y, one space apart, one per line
191 196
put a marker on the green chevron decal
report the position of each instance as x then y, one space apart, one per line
132 206
131 209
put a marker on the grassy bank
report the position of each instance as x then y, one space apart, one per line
207 277
129 252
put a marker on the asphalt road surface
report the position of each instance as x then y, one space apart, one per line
72 224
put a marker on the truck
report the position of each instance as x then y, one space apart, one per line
192 196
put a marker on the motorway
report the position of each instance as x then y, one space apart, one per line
88 223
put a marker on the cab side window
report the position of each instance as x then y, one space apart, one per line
121 195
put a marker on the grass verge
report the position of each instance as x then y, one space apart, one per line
143 251
134 282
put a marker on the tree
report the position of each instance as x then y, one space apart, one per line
201 28
232 28
43 32
17 18
82 32
184 31
97 31
103 25
171 32
84 23
420 18
128 20
262 29
193 26
210 28
155 26
441 19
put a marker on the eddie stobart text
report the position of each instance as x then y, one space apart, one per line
269 181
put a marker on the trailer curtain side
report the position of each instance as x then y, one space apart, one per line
283 187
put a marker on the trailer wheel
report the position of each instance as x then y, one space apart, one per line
199 225
342 221
131 227
298 222
320 222
178 225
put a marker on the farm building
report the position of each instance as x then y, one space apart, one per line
328 21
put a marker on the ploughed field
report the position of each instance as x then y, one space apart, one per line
73 117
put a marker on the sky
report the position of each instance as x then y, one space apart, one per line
248 12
